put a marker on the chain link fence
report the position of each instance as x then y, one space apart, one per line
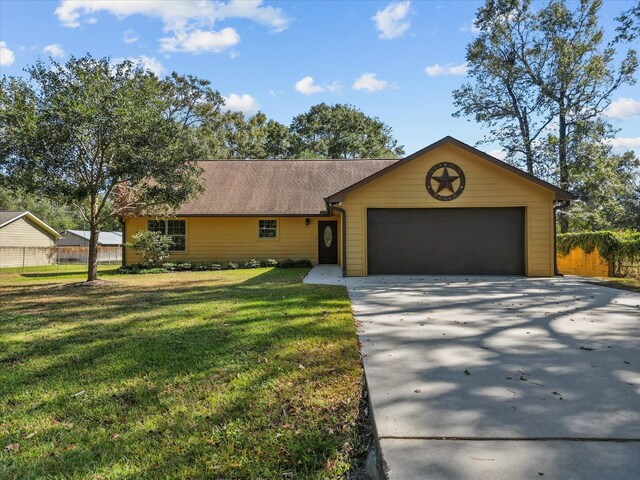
22 257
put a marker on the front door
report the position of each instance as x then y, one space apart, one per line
328 242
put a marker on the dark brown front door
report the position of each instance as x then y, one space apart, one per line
327 242
446 241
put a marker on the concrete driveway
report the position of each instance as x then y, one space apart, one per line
500 377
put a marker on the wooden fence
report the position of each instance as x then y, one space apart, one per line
591 264
37 256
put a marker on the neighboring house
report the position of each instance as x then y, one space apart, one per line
446 209
80 238
25 240
109 246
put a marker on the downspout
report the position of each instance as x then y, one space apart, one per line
344 235
557 205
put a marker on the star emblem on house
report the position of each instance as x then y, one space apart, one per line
445 181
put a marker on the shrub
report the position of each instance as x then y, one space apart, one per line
153 247
139 268
612 245
302 263
202 267
253 263
615 247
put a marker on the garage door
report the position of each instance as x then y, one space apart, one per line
445 241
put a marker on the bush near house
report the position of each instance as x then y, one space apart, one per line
202 267
153 247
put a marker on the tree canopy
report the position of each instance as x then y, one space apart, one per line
109 140
341 131
542 77
325 131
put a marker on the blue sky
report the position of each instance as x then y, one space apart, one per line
398 61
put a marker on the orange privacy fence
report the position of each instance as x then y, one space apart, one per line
591 264
577 262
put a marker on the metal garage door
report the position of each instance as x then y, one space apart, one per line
445 241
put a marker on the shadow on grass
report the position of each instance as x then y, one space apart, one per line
246 375
62 274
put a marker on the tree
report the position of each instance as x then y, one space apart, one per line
109 140
629 28
59 217
607 185
341 131
231 135
558 58
500 95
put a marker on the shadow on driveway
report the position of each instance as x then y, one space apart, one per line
496 361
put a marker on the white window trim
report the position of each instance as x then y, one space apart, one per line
166 230
277 237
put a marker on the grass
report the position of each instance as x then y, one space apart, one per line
225 375
631 284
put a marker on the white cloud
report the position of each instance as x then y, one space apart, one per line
625 143
148 63
199 41
499 154
370 83
190 23
448 69
470 27
623 108
242 103
129 36
391 21
307 86
55 50
7 57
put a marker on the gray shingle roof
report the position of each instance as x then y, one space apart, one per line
8 216
276 187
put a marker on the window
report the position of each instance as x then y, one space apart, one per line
267 229
176 229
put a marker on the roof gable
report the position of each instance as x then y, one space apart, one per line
9 217
558 192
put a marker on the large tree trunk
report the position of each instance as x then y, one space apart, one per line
93 251
563 221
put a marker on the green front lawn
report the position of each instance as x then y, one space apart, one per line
234 374
631 284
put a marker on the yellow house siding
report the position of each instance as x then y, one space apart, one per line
211 239
487 185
